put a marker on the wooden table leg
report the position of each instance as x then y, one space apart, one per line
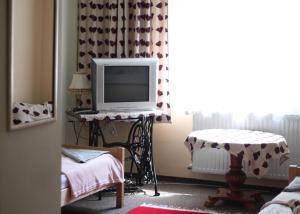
235 178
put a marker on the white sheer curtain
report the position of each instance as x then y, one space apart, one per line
235 56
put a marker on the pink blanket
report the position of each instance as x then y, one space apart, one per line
92 175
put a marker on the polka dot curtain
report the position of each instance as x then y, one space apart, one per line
126 28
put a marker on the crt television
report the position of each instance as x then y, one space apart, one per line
124 84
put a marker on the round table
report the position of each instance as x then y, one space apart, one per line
255 147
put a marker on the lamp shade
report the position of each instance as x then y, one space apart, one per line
80 82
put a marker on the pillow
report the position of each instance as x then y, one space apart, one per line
294 186
26 112
82 155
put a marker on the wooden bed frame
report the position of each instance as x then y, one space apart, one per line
119 154
294 171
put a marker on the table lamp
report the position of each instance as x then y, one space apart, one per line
79 85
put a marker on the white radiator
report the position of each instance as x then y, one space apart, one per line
214 161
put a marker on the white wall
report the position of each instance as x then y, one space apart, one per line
29 158
69 54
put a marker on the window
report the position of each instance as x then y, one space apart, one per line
235 56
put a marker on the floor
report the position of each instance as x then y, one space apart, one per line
173 194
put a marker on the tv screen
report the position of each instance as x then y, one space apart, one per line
126 83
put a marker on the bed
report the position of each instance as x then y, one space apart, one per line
112 164
288 201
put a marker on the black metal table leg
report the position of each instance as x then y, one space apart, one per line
91 133
139 145
156 193
94 131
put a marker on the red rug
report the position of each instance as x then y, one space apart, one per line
149 209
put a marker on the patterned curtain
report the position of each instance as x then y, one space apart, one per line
126 28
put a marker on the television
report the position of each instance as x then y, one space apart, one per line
124 84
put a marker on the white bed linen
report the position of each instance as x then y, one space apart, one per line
276 209
284 197
85 177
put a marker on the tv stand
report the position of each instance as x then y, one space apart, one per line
139 140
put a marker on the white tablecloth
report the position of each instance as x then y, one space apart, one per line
255 147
